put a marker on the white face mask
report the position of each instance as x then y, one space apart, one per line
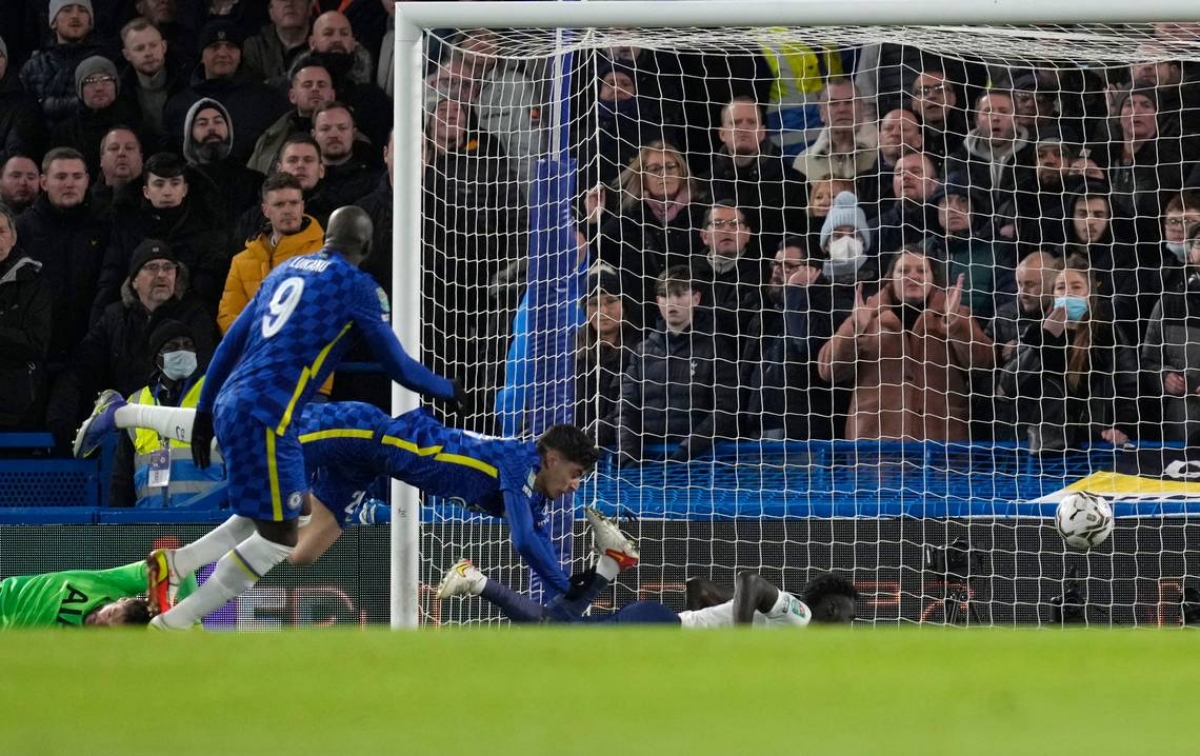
1179 249
846 248
179 365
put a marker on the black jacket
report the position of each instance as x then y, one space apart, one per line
783 396
116 352
22 129
25 312
195 233
378 205
1035 377
767 189
681 388
70 245
348 183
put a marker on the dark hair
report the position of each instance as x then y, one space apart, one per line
799 242
830 597
570 442
297 138
7 157
936 266
137 612
165 165
675 280
307 60
277 181
728 204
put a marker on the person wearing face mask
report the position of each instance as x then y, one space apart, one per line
908 351
1165 269
152 470
846 239
1074 377
1171 350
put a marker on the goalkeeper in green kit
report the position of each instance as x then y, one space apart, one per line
79 598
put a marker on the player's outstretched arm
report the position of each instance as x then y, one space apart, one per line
403 369
228 352
533 544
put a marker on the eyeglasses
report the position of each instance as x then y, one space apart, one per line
930 90
732 224
156 268
1176 222
99 80
788 266
661 169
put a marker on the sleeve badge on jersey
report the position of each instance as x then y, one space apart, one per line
383 302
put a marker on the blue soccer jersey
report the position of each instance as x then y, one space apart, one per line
294 333
349 444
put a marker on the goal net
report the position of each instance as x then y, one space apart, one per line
864 299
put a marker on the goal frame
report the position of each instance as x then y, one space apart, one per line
413 18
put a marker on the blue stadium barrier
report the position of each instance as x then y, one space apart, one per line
750 479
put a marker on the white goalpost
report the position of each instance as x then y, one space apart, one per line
503 139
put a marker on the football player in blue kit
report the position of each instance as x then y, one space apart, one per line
348 445
277 353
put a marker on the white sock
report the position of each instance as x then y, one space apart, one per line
172 422
212 545
235 574
607 567
720 615
783 602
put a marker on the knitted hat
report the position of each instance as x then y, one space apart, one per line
846 212
221 31
150 249
165 331
58 5
97 65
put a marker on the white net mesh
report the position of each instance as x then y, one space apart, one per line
811 286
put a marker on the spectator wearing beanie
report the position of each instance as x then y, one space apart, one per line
116 351
845 238
97 86
50 74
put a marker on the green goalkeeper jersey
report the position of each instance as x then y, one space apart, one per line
64 599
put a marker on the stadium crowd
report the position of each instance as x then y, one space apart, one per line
785 242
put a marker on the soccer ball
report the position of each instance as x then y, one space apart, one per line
1084 520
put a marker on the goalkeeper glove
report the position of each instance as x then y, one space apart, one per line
202 438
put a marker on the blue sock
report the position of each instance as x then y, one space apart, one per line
516 607
646 613
563 609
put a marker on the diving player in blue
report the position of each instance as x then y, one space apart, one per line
277 353
347 445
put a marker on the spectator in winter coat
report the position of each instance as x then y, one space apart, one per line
50 74
604 346
1171 352
116 353
681 386
908 351
25 311
1074 378
61 232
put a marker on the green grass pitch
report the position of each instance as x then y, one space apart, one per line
612 691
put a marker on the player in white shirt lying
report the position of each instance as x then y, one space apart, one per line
827 598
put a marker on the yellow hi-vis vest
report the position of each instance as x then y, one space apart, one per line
187 480
799 73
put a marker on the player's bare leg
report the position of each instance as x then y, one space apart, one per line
702 593
321 532
752 594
